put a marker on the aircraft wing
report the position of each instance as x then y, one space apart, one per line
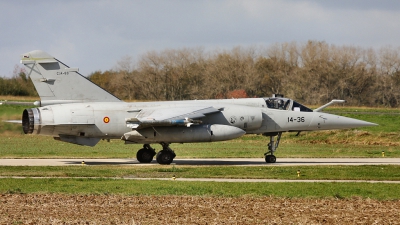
183 116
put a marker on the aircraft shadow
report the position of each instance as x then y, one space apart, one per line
98 163
193 162
225 162
217 162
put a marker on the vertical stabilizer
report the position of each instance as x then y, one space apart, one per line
57 83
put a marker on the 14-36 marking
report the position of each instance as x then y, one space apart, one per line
296 119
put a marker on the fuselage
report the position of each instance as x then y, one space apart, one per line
107 120
77 111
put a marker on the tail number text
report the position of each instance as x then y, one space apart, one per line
296 119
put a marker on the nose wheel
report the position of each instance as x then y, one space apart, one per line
272 146
270 159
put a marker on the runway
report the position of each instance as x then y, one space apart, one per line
206 162
228 180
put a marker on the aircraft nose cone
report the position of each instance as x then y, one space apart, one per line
329 121
354 123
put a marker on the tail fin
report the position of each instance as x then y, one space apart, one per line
57 83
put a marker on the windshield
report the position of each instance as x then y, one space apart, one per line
299 107
285 104
277 103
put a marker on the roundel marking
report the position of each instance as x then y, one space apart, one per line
106 119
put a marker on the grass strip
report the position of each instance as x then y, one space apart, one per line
154 187
316 144
368 172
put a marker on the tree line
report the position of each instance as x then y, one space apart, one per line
313 73
18 85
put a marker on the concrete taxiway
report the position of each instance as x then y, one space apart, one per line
208 161
229 180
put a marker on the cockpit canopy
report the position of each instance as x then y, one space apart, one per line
285 104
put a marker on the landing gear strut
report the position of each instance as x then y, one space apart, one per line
272 146
146 154
165 156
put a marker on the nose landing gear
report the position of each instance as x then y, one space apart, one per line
270 158
272 146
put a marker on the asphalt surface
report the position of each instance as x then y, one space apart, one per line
216 162
299 180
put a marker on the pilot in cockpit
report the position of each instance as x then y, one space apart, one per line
280 104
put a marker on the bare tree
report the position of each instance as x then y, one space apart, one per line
313 72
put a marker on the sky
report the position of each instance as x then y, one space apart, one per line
94 35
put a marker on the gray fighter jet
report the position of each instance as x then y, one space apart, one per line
75 110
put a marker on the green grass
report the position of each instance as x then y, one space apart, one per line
220 189
254 146
386 122
12 111
324 144
45 147
373 172
364 142
345 109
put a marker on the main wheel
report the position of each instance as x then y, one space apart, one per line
145 155
165 157
270 159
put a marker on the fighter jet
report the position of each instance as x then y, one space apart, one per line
75 110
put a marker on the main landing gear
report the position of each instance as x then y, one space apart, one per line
146 154
164 157
167 155
272 146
